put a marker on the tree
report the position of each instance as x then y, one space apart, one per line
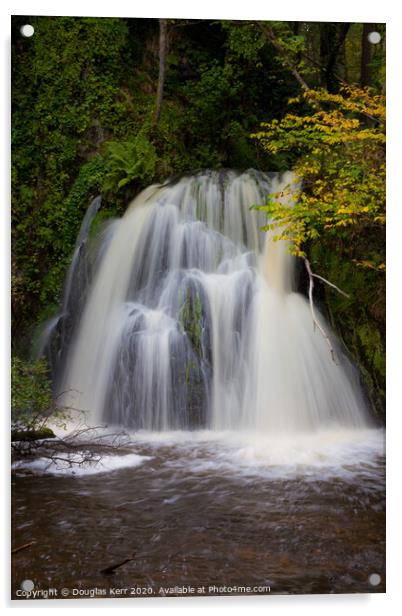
342 162
332 39
365 72
163 49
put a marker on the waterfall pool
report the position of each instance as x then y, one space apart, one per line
221 511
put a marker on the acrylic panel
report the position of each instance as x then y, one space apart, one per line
198 307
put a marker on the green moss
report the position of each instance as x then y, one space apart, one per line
190 316
358 320
372 346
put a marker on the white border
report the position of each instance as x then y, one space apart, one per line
292 10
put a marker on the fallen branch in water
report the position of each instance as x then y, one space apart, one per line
22 547
112 569
82 446
316 323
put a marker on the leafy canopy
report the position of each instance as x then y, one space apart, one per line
340 154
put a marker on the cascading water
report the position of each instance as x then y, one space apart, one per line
249 451
190 319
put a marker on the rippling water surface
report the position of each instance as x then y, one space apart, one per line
203 509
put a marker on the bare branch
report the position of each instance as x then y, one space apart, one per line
85 457
66 391
186 23
330 284
83 445
316 323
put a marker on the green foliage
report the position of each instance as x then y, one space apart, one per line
32 401
209 97
129 160
66 99
227 96
342 163
88 183
31 396
245 41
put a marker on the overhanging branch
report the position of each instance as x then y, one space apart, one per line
316 322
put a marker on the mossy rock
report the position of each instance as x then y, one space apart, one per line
32 435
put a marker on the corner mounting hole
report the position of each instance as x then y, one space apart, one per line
27 585
374 579
27 30
374 37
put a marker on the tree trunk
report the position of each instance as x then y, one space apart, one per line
332 39
269 33
365 73
163 47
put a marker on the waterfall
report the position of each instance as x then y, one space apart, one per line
190 319
56 333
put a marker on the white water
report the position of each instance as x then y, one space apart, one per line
336 452
72 464
192 321
347 453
